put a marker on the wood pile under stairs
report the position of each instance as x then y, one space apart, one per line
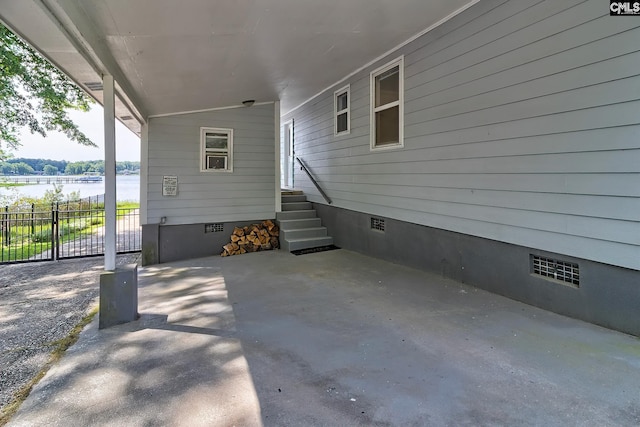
253 238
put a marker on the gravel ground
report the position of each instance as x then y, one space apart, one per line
40 303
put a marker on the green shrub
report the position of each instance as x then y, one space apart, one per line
42 236
72 228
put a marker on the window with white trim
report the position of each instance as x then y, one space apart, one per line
216 150
387 106
342 112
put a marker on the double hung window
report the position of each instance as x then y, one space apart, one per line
387 106
216 150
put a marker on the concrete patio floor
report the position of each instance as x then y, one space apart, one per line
335 339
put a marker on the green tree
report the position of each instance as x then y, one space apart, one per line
77 168
35 94
23 169
50 170
54 196
98 167
7 168
72 169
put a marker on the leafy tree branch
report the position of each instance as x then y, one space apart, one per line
35 94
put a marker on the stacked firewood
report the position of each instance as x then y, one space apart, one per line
253 238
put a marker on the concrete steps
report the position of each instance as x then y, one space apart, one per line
304 233
291 198
287 215
298 224
296 206
300 228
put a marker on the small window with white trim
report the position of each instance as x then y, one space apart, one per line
341 100
216 150
387 106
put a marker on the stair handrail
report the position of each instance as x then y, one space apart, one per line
304 168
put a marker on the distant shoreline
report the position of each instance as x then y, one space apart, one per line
60 175
48 167
128 188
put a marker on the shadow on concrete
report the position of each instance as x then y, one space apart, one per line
40 303
160 322
335 338
178 362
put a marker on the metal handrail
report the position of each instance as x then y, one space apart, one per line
304 168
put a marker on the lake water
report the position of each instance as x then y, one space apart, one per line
127 188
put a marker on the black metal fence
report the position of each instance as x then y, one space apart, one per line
27 235
64 230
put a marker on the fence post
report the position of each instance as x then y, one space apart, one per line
3 226
33 217
53 233
6 229
57 231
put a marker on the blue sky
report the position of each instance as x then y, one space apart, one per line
57 146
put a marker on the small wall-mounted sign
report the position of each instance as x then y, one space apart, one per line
169 185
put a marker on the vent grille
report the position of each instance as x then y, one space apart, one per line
377 224
94 85
565 272
126 117
217 227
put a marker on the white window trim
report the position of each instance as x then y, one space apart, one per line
203 131
346 89
398 62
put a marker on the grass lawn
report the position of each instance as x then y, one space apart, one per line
128 205
12 184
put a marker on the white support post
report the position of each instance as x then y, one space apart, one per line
109 173
144 172
276 123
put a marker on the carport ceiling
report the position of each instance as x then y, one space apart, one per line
191 55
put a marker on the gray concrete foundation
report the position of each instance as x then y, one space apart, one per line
608 296
150 234
119 296
168 243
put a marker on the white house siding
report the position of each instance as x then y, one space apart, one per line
246 194
522 125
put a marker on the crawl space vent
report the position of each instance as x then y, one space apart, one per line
565 272
377 224
217 227
94 85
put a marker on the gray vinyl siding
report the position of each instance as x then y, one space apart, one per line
522 125
246 194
